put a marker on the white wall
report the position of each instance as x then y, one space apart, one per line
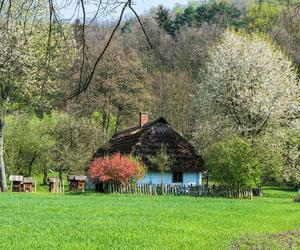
155 178
194 178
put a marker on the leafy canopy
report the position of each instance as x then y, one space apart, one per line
233 163
162 159
252 86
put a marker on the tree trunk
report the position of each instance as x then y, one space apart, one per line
161 183
45 178
60 174
2 166
31 163
117 122
207 178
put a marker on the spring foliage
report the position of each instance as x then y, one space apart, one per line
116 169
233 163
162 160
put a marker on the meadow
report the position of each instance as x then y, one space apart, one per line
99 221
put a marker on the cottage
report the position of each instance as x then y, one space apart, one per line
146 139
76 182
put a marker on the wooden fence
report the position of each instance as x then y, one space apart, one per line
190 190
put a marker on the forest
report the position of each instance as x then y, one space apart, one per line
224 74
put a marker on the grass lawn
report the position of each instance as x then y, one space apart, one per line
97 221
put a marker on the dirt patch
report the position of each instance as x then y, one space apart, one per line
284 240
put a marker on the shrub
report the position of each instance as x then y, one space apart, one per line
233 163
116 168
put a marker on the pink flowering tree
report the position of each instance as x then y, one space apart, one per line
116 169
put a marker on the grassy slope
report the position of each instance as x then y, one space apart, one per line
90 221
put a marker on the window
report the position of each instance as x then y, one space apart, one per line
177 176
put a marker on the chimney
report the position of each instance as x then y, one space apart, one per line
143 118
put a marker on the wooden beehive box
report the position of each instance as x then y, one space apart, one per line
16 183
77 182
28 184
54 184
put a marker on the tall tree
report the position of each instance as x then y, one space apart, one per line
262 17
11 87
163 18
251 86
30 70
120 88
76 140
28 145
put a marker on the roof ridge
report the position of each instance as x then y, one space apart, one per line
137 127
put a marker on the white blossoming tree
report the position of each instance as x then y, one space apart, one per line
249 86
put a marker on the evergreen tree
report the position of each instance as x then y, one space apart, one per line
163 18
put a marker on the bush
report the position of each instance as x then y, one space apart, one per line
233 163
116 169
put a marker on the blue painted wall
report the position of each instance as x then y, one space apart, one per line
194 178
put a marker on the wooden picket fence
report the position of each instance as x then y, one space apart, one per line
189 190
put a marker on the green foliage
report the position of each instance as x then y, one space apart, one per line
291 153
145 222
76 140
213 11
58 141
163 18
162 160
127 27
119 89
245 84
185 18
99 119
28 145
198 14
271 163
262 17
234 163
271 160
138 160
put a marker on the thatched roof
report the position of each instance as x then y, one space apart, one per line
147 140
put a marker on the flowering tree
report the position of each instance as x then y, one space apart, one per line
249 87
115 168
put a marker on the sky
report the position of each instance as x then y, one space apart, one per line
141 7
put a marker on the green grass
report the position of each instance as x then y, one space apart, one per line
97 221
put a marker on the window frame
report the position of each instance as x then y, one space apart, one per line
177 177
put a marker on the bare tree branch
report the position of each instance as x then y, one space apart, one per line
83 44
144 31
90 77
